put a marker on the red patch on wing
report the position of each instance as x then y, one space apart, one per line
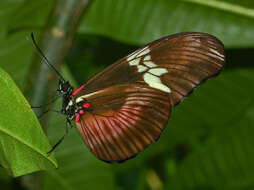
86 105
77 118
78 90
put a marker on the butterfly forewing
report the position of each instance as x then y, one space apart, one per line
131 99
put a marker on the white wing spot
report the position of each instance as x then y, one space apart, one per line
135 54
132 56
147 58
146 51
152 76
155 82
141 68
150 64
158 71
134 62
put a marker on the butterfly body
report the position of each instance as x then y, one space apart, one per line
72 106
124 108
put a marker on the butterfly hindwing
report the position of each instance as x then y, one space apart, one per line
124 119
131 99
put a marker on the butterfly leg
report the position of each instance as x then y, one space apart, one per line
68 123
56 111
50 102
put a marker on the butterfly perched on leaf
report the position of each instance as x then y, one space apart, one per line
125 107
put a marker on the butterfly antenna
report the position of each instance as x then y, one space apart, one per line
42 56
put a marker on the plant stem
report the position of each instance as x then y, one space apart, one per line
55 43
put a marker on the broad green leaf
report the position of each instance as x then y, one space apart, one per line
23 145
31 15
225 161
141 21
78 168
7 10
219 139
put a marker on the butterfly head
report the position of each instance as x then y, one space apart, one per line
64 88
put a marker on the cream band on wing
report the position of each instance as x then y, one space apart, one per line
151 71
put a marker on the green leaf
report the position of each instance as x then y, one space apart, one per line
141 21
23 145
224 158
229 6
78 167
7 10
30 15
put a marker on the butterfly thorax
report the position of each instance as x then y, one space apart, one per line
72 106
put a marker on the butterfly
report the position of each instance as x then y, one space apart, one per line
125 107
